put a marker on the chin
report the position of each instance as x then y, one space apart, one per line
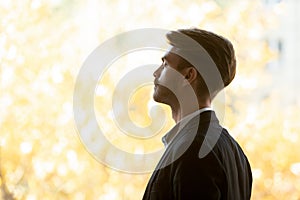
161 95
159 99
156 98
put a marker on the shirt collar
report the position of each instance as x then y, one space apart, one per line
167 138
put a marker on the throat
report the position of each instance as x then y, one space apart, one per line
178 113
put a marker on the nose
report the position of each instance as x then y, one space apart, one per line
156 72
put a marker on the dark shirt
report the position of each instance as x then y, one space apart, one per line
202 162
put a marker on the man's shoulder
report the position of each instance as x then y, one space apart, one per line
213 141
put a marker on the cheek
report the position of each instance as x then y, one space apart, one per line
163 78
167 75
170 78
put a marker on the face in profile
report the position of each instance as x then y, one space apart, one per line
167 80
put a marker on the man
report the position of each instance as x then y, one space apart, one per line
201 160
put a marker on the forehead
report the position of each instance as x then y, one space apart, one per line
171 58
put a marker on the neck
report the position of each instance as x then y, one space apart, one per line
178 113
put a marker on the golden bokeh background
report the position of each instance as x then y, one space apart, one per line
43 44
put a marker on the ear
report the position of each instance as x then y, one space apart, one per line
190 75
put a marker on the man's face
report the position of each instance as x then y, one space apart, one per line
167 79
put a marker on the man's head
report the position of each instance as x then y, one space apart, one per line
204 59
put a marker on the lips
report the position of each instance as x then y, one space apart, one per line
155 84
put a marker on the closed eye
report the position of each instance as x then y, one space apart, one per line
164 63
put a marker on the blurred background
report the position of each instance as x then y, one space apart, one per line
43 44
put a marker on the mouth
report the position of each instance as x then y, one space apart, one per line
155 84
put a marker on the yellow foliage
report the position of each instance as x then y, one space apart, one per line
42 47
